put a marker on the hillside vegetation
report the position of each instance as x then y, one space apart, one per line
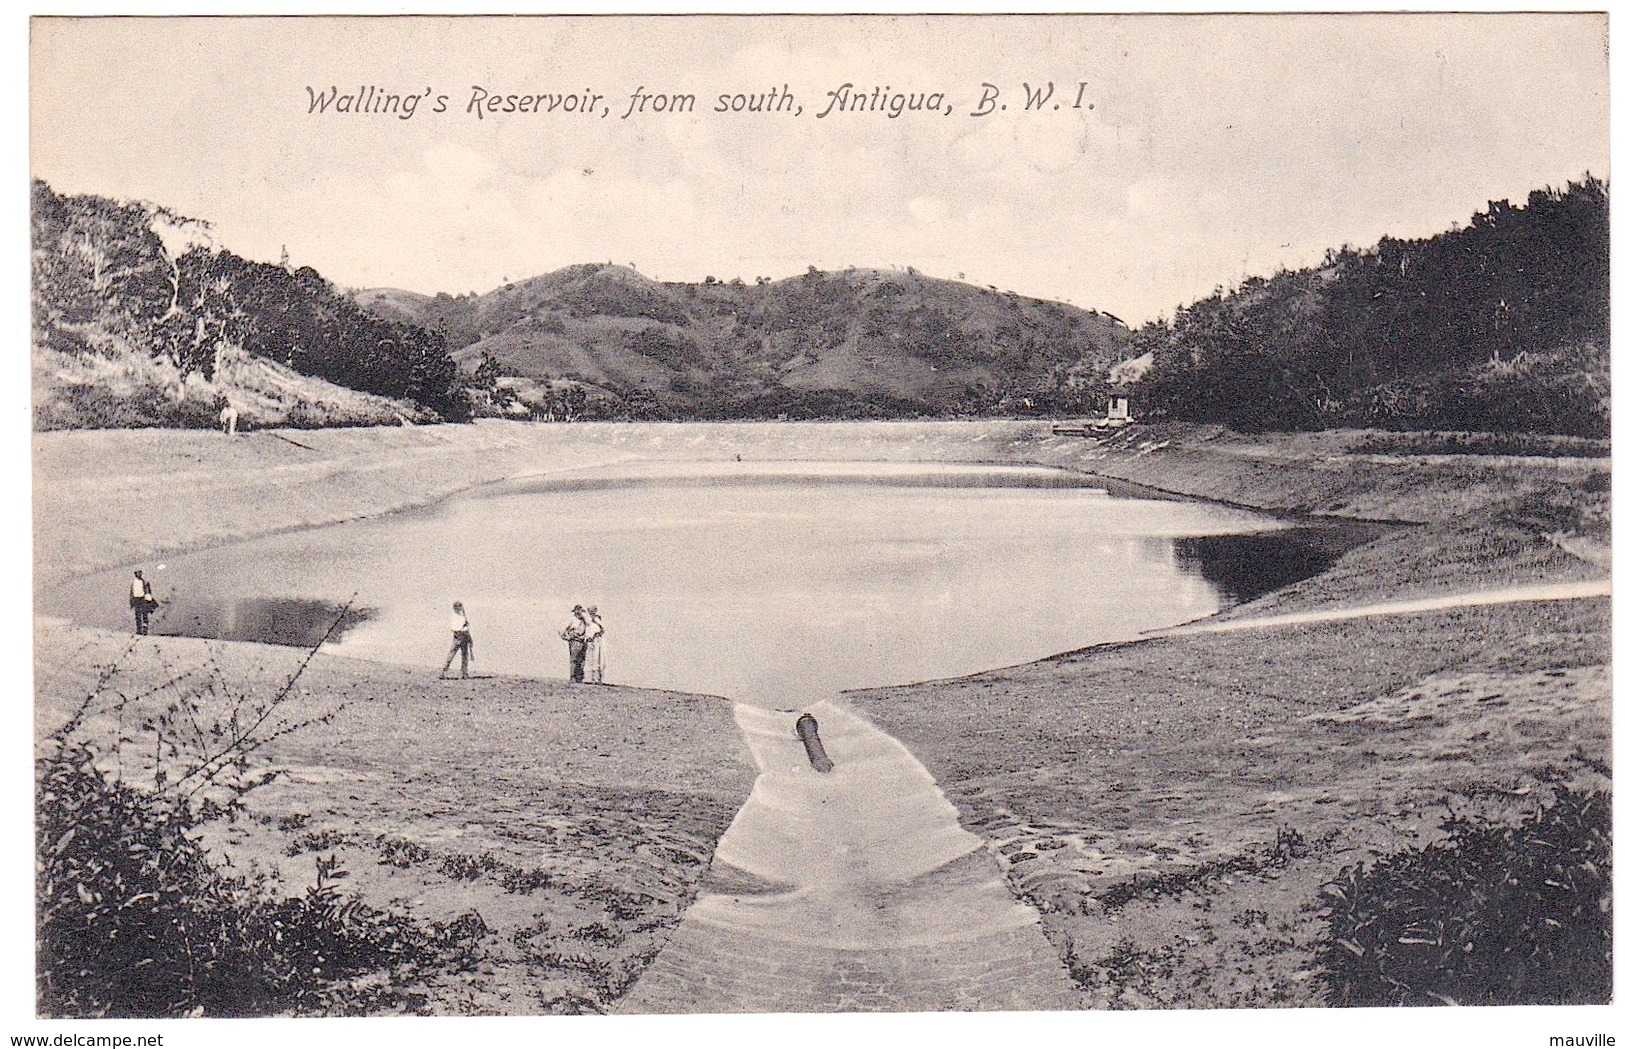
853 343
1498 326
139 320
1501 326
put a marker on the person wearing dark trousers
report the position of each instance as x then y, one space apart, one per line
141 601
575 635
462 639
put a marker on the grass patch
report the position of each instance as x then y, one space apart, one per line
1494 913
1289 845
1449 442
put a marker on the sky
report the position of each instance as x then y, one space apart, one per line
1176 153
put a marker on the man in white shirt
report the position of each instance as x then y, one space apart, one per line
575 635
141 601
462 639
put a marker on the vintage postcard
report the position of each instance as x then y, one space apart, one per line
1083 526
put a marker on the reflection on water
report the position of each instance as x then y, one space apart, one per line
773 582
297 621
1245 567
680 475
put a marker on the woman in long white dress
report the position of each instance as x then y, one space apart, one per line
595 647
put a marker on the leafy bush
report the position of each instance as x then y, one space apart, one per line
134 920
1492 914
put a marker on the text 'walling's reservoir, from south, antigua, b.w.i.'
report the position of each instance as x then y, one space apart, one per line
985 99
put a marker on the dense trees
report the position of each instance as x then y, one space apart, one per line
116 277
96 259
1502 324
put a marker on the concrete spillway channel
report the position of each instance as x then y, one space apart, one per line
849 890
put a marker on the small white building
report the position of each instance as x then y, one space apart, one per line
1117 416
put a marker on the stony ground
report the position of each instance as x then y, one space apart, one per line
1170 806
573 822
1174 805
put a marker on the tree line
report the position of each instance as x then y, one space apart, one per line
1498 326
113 276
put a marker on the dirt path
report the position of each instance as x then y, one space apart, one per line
851 890
1500 596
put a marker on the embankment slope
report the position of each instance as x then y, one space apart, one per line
1173 805
1096 776
574 821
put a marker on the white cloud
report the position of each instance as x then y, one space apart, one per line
1213 142
458 167
929 211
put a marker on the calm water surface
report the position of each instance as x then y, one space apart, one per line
776 583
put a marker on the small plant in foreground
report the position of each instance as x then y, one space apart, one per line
460 866
133 919
315 841
597 932
1492 914
398 852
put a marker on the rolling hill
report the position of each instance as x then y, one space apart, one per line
855 342
1501 325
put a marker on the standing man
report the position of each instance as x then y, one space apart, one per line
575 635
595 646
462 639
141 601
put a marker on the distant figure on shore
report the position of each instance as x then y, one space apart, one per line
228 419
595 646
141 601
462 639
575 636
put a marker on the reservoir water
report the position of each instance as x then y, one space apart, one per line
772 583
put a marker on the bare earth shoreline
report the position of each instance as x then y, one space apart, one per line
1169 806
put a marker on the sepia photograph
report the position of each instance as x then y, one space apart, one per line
1092 520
